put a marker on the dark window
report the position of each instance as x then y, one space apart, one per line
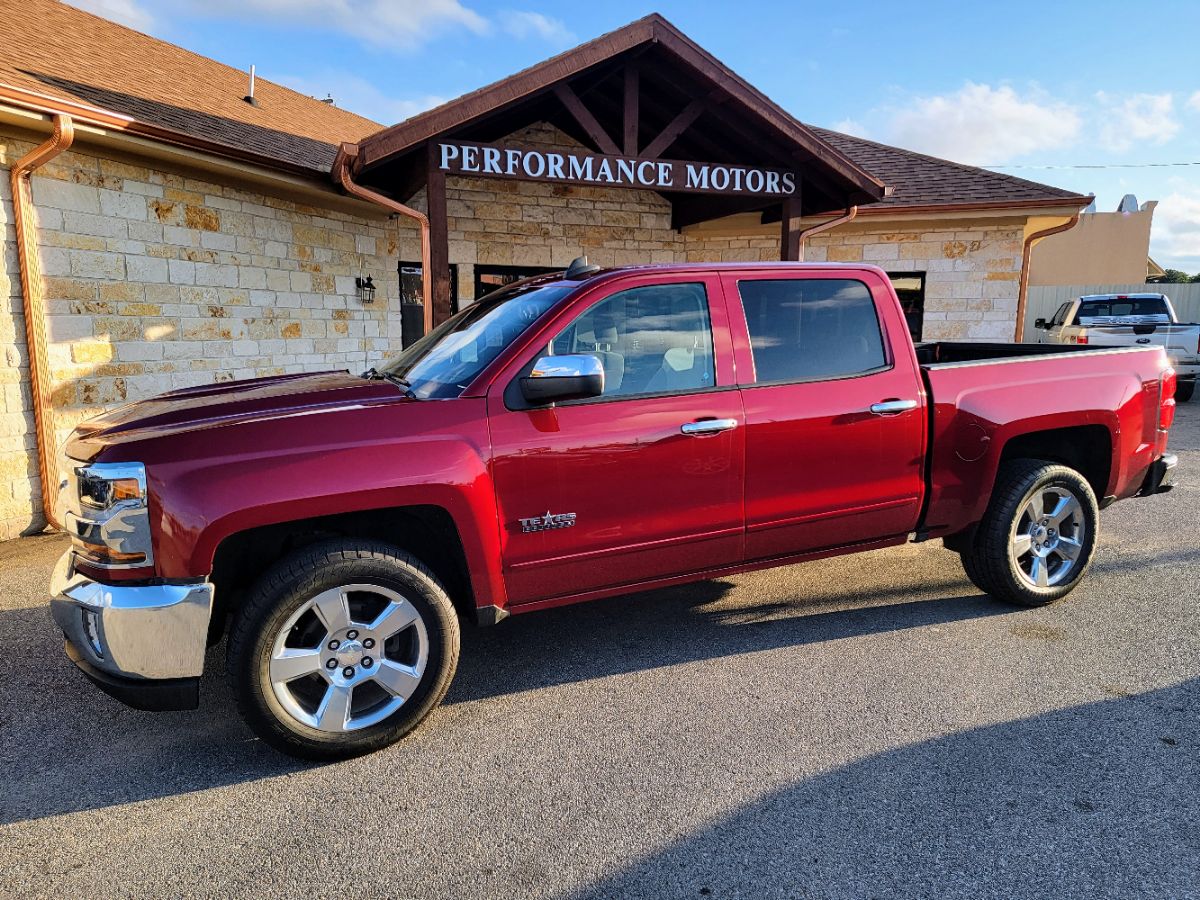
411 283
1061 315
489 278
910 288
650 340
1129 306
809 329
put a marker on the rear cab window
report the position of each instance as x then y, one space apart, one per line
812 329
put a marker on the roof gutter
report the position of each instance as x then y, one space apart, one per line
1026 252
848 215
34 300
347 155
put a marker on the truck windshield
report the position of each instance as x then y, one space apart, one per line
443 362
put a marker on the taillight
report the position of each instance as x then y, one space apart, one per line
1166 409
1079 339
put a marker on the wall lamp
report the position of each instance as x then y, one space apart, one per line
366 289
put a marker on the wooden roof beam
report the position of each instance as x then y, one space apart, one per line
586 120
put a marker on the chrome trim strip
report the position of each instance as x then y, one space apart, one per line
145 631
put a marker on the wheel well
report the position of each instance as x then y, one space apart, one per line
427 532
1085 448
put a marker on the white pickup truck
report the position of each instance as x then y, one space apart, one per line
1128 320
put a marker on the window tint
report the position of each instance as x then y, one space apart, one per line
1116 307
650 340
804 329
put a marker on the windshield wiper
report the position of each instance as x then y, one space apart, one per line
373 374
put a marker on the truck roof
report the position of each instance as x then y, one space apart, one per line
1143 296
667 268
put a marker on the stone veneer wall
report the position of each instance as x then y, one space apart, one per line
158 279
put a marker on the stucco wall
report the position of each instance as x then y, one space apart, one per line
158 280
1103 248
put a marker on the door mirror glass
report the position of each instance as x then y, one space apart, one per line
570 377
1039 323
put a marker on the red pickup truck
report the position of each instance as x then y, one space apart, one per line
570 437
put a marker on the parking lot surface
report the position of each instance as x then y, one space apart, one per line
864 726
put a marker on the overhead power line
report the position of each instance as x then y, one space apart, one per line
1154 165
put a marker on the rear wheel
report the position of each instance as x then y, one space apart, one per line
1184 390
342 649
1038 535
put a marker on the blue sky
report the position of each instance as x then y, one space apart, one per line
1040 88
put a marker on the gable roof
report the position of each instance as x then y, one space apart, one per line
58 51
679 71
919 180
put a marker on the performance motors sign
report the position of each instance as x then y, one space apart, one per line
593 169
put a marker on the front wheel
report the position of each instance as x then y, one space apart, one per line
1038 535
342 649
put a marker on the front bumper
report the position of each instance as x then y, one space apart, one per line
1160 476
143 645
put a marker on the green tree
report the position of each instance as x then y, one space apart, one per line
1174 276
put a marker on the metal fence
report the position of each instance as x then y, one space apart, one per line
1044 300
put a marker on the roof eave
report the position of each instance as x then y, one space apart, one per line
383 145
45 103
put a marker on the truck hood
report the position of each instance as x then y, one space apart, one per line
217 405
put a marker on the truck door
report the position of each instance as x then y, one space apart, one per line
835 410
642 482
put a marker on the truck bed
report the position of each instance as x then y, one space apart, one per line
940 353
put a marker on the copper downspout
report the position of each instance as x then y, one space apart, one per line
34 296
851 212
1026 252
346 155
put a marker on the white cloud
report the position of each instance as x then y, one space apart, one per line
982 125
524 24
1175 239
1193 102
1136 120
125 12
399 24
851 126
359 95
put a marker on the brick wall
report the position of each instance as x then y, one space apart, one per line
157 279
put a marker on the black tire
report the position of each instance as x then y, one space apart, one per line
988 562
1184 390
286 588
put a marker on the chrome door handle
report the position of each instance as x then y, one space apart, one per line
708 426
892 407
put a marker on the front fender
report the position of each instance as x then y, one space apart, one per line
352 462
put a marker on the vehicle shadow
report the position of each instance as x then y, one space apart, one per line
65 747
1091 800
685 624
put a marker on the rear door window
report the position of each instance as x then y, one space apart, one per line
811 329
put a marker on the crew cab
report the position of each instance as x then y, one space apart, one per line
1128 320
567 438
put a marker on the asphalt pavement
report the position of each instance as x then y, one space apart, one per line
867 726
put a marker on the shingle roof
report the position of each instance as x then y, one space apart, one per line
920 180
55 49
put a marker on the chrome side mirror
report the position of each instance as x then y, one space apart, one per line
556 378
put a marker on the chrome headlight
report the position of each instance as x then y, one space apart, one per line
107 513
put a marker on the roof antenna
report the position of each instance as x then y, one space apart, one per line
249 98
579 268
